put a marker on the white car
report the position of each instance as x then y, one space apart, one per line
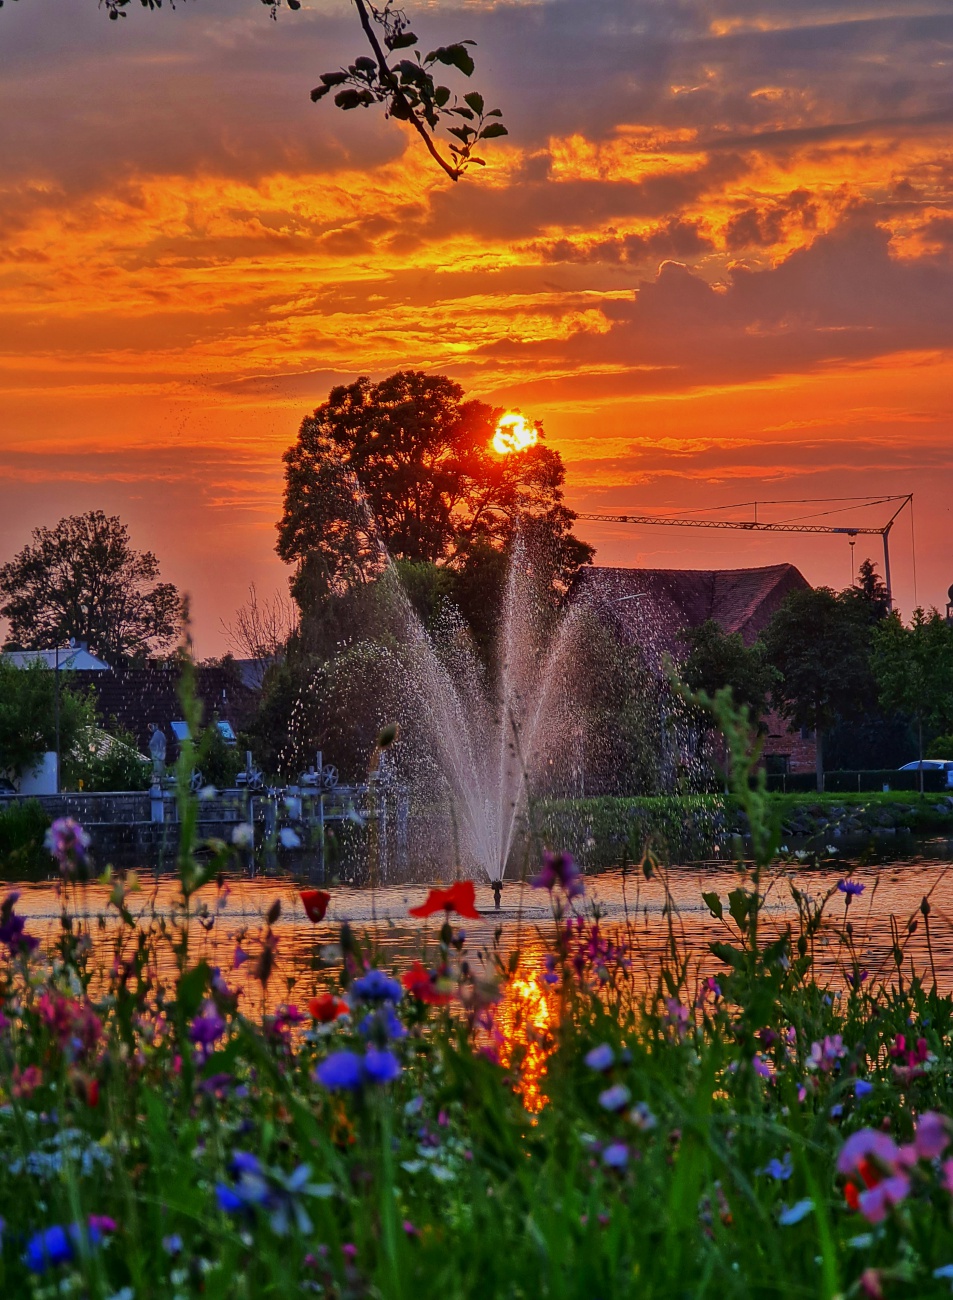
933 765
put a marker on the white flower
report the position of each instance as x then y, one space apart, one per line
243 835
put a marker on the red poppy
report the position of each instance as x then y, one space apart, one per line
327 1008
459 898
315 903
419 984
852 1195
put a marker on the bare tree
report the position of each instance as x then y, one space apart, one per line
261 631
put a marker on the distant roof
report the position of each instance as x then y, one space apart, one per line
739 600
135 699
71 659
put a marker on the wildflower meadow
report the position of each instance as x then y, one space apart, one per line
731 1123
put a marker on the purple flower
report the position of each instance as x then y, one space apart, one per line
876 1201
600 1058
850 887
559 869
864 1144
13 928
616 1155
206 1027
932 1136
375 986
340 1070
69 845
762 1067
380 1066
862 1088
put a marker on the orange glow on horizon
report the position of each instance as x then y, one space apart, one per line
514 433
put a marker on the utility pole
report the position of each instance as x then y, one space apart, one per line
56 710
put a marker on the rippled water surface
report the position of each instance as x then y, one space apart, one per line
628 904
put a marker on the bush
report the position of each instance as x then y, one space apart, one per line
942 747
99 763
23 828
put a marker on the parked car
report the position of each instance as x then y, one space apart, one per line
933 765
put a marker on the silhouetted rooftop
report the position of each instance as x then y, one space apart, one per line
739 600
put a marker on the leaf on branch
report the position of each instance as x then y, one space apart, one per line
353 99
713 903
455 56
400 41
475 100
492 130
441 95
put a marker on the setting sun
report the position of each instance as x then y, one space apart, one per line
514 433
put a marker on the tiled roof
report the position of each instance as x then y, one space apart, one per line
136 697
739 600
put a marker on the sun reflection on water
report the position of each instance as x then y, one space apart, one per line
526 1020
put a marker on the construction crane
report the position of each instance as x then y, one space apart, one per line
796 525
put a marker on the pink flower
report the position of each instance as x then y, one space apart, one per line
825 1055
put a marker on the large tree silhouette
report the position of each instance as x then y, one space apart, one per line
83 579
407 462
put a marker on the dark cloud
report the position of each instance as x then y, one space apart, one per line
676 237
844 299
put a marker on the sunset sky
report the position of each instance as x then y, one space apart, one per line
714 257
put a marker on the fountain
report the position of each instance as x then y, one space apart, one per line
490 735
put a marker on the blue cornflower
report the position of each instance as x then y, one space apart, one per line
277 1193
615 1098
795 1213
375 986
600 1058
340 1070
779 1169
228 1199
616 1155
381 1066
49 1247
58 1245
863 1088
382 1024
850 887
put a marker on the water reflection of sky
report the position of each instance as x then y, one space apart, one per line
625 901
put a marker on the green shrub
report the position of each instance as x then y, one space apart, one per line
23 827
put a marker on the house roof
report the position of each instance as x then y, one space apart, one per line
71 659
739 600
134 698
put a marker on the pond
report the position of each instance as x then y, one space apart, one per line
629 906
